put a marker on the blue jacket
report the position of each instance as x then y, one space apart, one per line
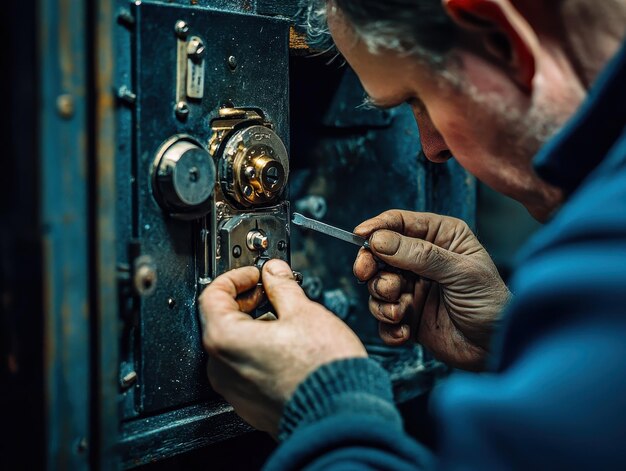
555 395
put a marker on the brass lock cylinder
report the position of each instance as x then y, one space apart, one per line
254 166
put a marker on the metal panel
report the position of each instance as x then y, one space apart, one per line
64 228
172 359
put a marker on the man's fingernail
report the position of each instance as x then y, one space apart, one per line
279 268
385 242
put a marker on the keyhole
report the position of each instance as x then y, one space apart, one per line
272 176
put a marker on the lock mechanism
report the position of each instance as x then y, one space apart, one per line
252 213
252 161
183 177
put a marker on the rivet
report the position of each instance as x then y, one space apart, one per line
65 105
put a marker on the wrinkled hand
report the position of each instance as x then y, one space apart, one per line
453 306
257 365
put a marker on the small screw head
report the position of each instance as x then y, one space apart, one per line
282 245
182 110
65 105
194 174
236 251
145 279
249 172
126 95
171 303
232 62
181 28
195 49
82 445
204 281
129 379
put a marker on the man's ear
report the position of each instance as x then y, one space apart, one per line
505 34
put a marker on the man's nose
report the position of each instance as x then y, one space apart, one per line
434 147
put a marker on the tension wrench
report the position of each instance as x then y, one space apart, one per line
317 226
302 221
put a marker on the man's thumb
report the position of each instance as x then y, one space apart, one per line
281 288
415 255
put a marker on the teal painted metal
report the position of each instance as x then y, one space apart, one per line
106 408
64 139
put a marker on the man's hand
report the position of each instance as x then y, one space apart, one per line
257 365
453 304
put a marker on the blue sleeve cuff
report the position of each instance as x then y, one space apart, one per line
353 386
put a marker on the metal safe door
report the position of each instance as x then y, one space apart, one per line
189 66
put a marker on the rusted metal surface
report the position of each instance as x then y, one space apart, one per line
64 232
178 431
106 410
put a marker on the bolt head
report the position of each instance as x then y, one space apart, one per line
249 172
181 109
195 49
129 379
65 105
236 251
181 28
232 62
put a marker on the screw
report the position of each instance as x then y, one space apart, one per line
312 204
247 191
249 172
193 174
65 105
171 303
145 278
124 94
146 275
282 245
204 280
182 110
82 444
232 62
236 251
129 379
195 49
181 28
125 18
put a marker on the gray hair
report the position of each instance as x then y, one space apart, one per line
419 27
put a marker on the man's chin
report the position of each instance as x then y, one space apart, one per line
543 209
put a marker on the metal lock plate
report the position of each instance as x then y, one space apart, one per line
237 246
168 354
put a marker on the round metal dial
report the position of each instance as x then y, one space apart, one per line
254 166
184 176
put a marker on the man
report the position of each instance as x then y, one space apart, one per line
490 81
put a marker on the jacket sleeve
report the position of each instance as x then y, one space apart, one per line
342 417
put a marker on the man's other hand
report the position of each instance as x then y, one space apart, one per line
257 365
448 294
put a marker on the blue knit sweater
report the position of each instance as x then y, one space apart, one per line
555 395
